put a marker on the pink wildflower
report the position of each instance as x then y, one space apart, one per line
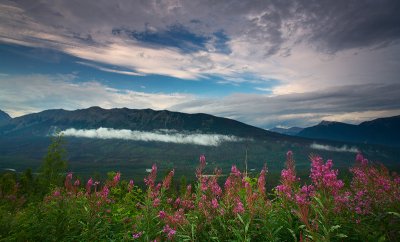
130 185
105 192
162 214
288 178
169 231
202 160
156 202
239 207
56 193
150 180
117 178
137 235
303 196
215 188
177 202
200 168
397 180
235 171
168 179
323 176
261 181
67 182
89 185
214 203
361 160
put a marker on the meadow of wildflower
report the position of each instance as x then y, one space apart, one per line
236 207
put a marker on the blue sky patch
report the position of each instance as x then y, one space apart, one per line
176 36
20 60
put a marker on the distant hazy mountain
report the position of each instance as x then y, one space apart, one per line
385 131
133 119
288 131
4 117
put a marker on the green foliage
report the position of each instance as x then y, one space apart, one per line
240 210
54 165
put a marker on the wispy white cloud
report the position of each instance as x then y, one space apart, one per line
32 93
352 104
168 136
344 148
102 68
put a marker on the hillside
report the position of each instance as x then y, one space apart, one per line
383 131
24 141
287 131
4 117
40 124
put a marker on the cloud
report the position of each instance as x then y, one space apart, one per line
130 73
24 94
340 25
335 60
354 103
344 148
168 136
301 44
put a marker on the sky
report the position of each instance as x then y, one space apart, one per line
266 63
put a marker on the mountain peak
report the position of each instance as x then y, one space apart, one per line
287 131
94 108
326 123
4 116
377 131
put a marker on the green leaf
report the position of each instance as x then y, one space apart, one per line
341 236
293 235
382 238
240 218
333 228
247 227
394 213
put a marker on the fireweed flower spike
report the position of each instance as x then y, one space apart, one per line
89 185
261 180
288 177
117 178
130 185
202 165
168 179
238 207
324 177
150 180
67 182
169 231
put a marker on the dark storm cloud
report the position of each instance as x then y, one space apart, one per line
338 25
329 25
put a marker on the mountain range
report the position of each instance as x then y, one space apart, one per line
24 141
383 131
42 123
287 131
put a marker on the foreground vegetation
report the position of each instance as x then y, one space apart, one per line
50 207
